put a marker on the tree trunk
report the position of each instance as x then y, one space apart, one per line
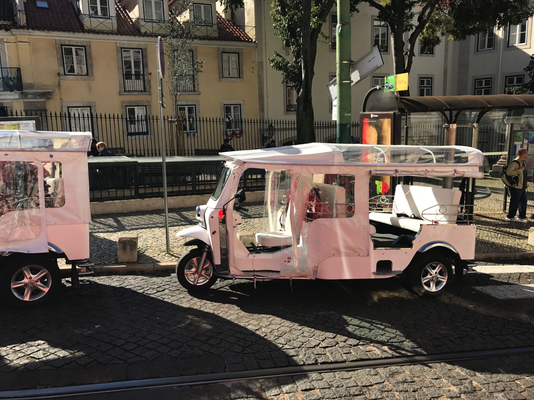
305 117
398 43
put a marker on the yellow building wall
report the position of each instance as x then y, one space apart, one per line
38 59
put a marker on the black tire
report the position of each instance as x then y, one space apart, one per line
29 281
430 274
186 268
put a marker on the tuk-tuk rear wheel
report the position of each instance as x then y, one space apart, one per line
191 276
430 274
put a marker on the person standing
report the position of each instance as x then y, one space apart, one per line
518 193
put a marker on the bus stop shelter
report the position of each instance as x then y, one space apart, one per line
382 112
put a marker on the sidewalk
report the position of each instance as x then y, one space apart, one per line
497 239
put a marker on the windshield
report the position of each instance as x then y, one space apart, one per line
223 178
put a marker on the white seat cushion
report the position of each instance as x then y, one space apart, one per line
274 239
412 224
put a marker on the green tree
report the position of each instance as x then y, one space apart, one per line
298 24
529 86
183 68
430 20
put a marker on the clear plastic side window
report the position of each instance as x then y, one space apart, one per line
19 201
329 196
54 185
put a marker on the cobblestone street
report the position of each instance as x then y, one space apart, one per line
134 327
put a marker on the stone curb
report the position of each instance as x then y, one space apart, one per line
118 269
521 255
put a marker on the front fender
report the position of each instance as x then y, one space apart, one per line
196 232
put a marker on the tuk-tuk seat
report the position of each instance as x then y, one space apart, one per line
274 239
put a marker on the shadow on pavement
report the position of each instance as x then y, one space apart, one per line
379 318
104 333
133 327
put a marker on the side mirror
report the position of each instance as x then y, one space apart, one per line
240 196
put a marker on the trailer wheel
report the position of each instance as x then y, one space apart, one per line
191 276
430 274
29 281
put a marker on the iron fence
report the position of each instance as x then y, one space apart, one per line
139 138
139 135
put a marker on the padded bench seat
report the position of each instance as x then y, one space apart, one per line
274 239
412 224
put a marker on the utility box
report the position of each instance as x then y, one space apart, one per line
127 248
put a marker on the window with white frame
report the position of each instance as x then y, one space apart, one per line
153 10
74 60
132 69
483 86
333 28
80 119
486 40
517 34
136 123
378 80
291 97
425 86
232 117
380 35
426 49
230 65
187 119
202 13
513 83
98 8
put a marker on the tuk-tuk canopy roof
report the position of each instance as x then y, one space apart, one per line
45 141
349 154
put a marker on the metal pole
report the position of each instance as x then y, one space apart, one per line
344 106
163 162
451 141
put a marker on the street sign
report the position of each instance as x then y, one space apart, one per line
160 53
402 82
334 110
359 70
389 83
396 83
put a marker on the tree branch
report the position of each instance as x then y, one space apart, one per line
422 20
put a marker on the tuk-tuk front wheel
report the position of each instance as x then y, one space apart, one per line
192 275
29 281
430 274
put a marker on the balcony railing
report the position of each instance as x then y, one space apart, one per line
10 79
134 82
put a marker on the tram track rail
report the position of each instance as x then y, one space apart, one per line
268 373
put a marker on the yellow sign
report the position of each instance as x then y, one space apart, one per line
401 83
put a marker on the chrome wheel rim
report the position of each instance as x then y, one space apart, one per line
198 276
31 283
434 276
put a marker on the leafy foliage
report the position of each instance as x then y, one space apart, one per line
183 67
529 69
430 20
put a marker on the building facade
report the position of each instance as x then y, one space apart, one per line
99 57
